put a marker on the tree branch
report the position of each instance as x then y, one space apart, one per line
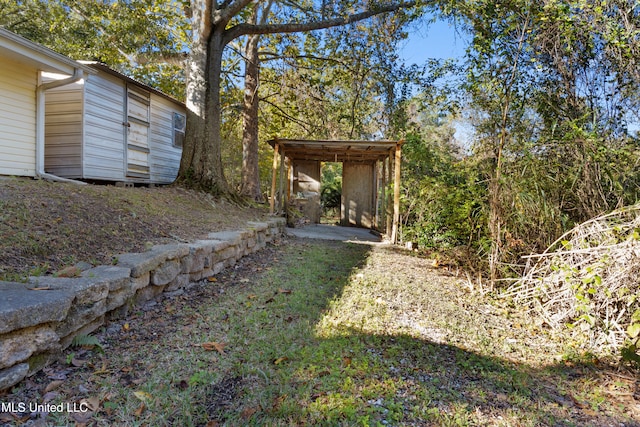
244 28
229 9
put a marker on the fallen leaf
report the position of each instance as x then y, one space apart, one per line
244 280
210 346
212 279
78 362
126 327
251 296
346 361
212 424
142 395
43 288
92 403
183 385
138 412
280 360
247 413
53 385
82 418
284 291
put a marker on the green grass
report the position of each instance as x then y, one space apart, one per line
336 334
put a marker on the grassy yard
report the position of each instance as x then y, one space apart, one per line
328 333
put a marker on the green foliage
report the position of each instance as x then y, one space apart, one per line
630 351
86 341
331 191
442 198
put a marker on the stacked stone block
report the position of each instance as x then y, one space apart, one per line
40 319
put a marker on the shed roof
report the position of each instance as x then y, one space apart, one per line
103 67
335 150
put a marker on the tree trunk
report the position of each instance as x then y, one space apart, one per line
250 169
495 224
201 163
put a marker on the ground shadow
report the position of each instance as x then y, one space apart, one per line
379 379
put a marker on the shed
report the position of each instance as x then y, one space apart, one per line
22 97
368 166
109 127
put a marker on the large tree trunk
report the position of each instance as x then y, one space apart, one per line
250 168
201 163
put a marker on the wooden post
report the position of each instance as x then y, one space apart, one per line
272 203
281 188
396 194
383 209
388 212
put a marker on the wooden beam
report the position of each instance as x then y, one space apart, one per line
281 189
272 202
396 194
384 216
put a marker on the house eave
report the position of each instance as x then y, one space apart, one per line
44 59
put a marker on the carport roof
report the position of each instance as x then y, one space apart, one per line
335 150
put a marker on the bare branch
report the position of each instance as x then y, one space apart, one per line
229 9
244 28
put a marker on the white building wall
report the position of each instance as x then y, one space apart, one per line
104 137
17 118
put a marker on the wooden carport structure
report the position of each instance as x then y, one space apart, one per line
367 167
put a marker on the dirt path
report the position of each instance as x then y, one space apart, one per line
326 333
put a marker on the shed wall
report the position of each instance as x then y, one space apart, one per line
17 118
63 130
104 132
358 208
306 188
164 155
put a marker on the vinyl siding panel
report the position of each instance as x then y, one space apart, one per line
63 130
17 118
164 157
104 146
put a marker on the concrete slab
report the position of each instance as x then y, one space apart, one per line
334 232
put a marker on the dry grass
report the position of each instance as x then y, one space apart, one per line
588 280
46 226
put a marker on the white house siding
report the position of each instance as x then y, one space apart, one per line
104 146
63 130
164 156
17 118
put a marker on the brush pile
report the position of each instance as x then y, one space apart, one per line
589 282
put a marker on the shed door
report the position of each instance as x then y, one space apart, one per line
138 112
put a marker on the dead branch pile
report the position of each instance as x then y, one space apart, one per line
588 280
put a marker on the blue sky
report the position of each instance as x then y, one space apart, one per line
437 40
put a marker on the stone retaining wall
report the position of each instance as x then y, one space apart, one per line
40 319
